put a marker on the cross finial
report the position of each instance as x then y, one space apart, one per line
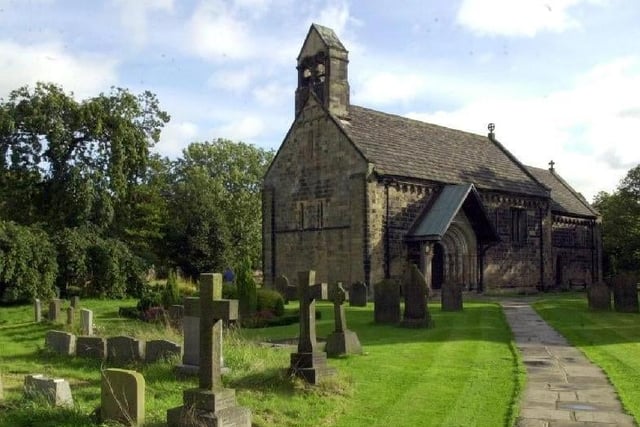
551 163
491 127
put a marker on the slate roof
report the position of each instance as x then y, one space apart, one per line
405 147
329 37
564 199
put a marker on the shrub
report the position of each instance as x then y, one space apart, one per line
246 288
229 291
270 300
171 292
150 298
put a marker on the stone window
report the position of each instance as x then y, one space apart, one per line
518 226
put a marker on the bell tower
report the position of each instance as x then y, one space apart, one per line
322 70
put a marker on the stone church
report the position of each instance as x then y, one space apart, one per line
355 194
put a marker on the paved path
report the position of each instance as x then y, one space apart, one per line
563 387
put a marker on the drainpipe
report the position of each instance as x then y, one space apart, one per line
541 287
387 238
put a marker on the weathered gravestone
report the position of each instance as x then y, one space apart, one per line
322 291
91 347
122 350
176 314
60 342
415 292
86 321
54 391
70 315
37 310
358 295
122 397
625 293
191 336
342 340
75 302
161 349
308 363
333 288
282 285
387 302
451 296
55 305
599 296
211 404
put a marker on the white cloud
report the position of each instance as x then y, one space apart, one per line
517 18
85 75
134 16
236 80
586 130
175 137
386 87
243 129
273 94
335 16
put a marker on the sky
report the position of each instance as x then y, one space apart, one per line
559 78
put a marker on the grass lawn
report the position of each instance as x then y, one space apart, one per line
462 372
610 340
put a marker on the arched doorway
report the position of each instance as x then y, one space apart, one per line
437 266
455 257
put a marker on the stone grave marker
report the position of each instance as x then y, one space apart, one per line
416 312
70 315
358 295
599 296
342 340
37 310
625 293
91 347
60 342
121 349
191 334
54 391
86 322
282 284
176 314
211 404
322 291
75 301
161 349
387 302
451 296
55 305
308 363
122 397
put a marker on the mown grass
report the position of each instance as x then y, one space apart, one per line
609 339
463 372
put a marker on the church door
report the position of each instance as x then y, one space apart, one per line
437 267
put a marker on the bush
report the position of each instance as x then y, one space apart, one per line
150 298
229 291
270 300
171 292
246 288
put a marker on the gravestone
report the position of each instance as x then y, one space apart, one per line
333 288
37 310
211 404
342 340
70 315
282 284
386 307
54 391
599 296
322 291
358 295
86 322
308 363
161 349
191 335
415 292
122 350
122 397
625 293
91 347
75 302
176 314
55 305
451 297
60 342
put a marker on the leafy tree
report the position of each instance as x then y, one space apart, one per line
247 290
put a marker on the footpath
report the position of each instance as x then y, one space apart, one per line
563 388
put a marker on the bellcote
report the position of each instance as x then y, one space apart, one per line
322 70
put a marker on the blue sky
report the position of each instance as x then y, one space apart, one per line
559 78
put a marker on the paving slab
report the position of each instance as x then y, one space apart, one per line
563 387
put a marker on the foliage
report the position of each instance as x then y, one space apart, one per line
171 291
28 264
246 289
151 297
271 301
115 271
229 291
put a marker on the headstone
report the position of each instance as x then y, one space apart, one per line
322 291
211 404
191 333
54 309
122 350
342 340
451 296
176 314
625 293
91 347
291 293
37 310
599 296
415 292
282 284
86 321
358 295
70 315
54 391
334 287
308 363
122 397
387 302
161 349
75 302
61 342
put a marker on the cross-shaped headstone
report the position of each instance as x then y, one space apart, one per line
306 295
339 297
551 165
212 314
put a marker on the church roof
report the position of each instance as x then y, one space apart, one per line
400 146
329 37
564 199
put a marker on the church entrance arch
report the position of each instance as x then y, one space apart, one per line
457 261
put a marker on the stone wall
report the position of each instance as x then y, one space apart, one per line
575 251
